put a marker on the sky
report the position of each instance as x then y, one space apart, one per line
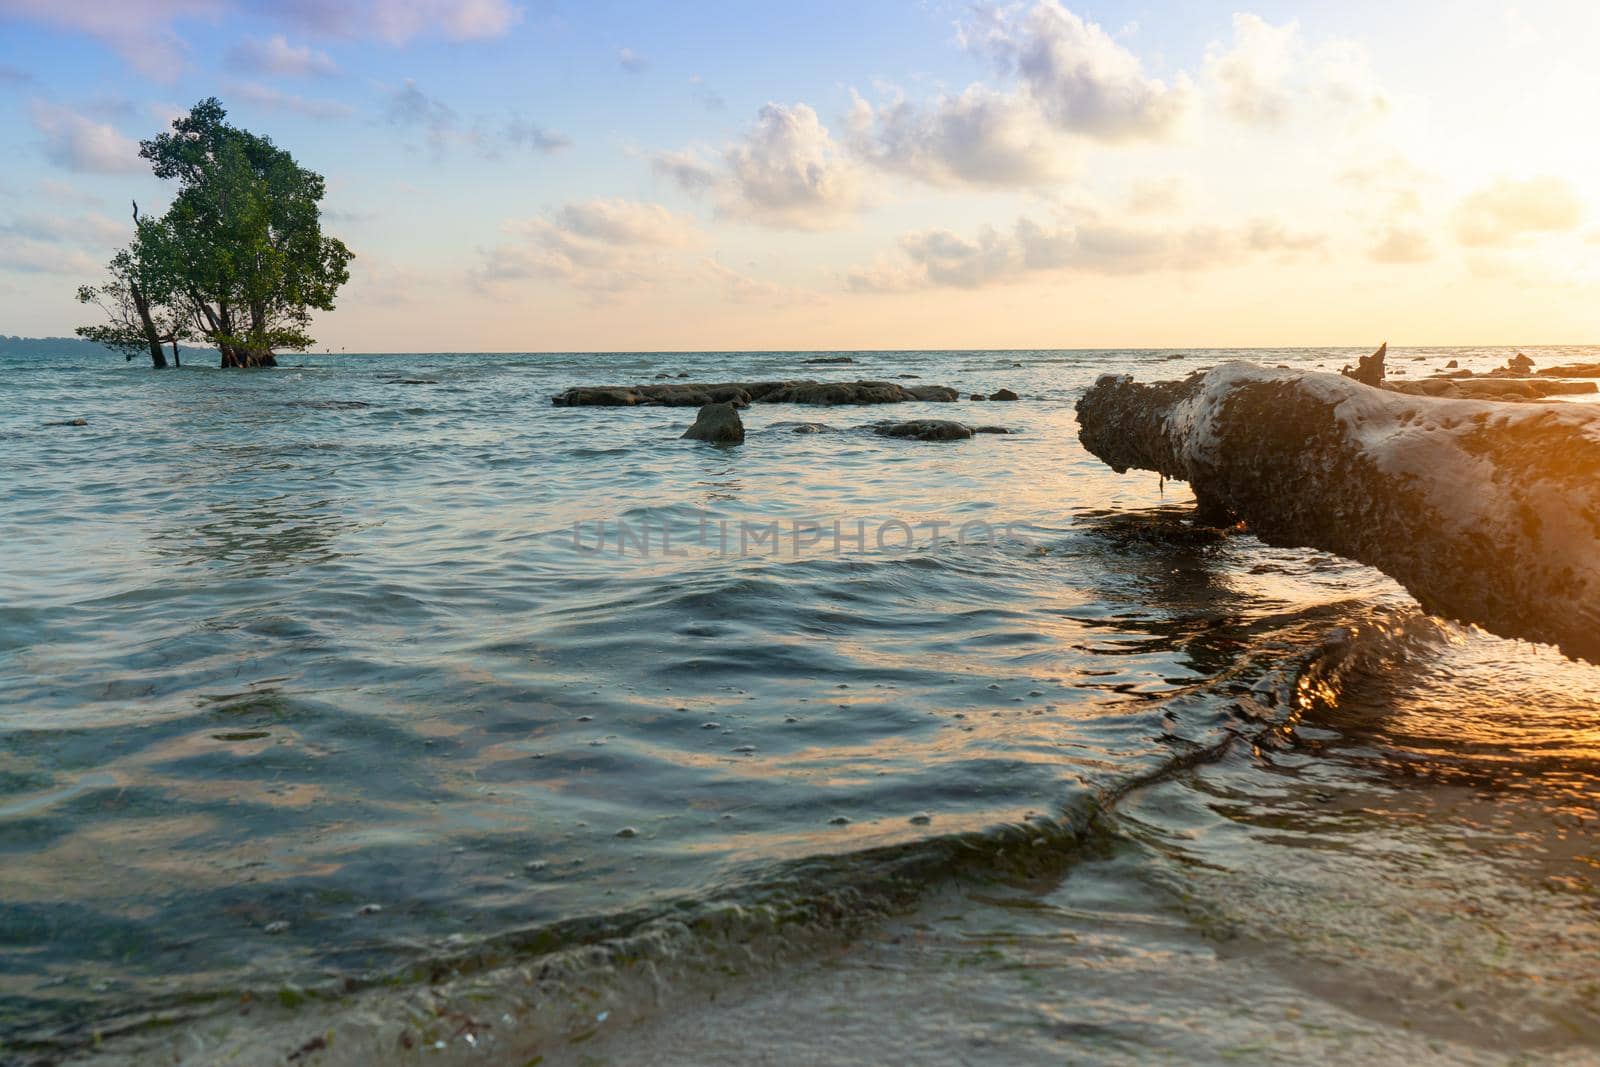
533 175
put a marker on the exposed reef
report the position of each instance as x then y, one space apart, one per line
694 394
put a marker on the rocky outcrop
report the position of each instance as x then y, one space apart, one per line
1370 368
924 430
693 394
1572 370
829 359
1486 512
718 423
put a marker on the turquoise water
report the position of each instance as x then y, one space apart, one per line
380 673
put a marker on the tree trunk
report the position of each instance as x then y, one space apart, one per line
1486 512
158 359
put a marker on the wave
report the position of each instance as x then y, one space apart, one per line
539 989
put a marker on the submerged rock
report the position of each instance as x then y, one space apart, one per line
718 423
1003 394
828 359
924 430
69 422
1486 512
805 391
990 429
802 427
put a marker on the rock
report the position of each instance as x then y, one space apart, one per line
1572 370
1508 389
627 831
802 427
692 394
663 374
1519 364
990 429
977 396
1488 513
69 422
1370 371
924 430
1003 394
828 359
1452 365
717 423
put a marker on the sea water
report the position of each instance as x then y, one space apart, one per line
375 707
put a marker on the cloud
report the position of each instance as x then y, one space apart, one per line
1508 210
80 144
1157 196
13 75
1271 72
143 31
686 170
709 98
276 56
632 62
980 137
786 172
138 30
93 230
270 99
398 22
409 108
940 258
523 133
29 256
1082 79
1401 244
600 245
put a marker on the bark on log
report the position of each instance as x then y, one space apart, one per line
1486 512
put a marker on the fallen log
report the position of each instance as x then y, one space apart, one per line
1486 512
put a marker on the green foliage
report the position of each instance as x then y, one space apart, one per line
239 258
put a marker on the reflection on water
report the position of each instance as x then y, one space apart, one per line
344 699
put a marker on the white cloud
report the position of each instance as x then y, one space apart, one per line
80 144
632 61
25 255
1401 244
687 170
980 137
143 31
940 258
270 99
1083 80
1508 210
597 245
276 56
94 231
786 172
397 22
1272 72
138 30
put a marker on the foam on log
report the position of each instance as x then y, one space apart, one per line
1486 512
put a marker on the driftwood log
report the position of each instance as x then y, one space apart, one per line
1486 512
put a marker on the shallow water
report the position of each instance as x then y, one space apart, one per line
316 685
